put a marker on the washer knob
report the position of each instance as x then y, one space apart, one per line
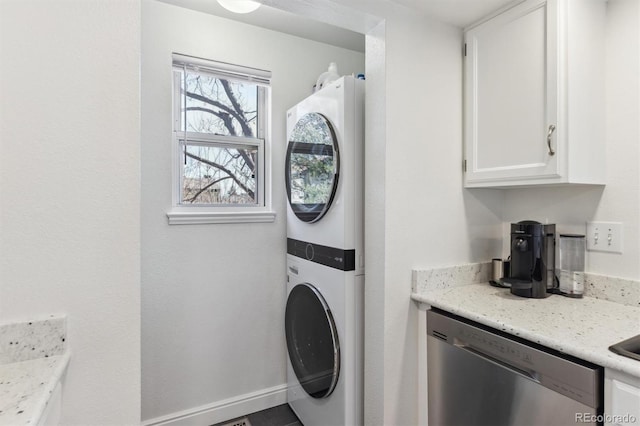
309 252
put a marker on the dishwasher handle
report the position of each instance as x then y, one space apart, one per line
527 374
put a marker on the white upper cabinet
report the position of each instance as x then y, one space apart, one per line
534 95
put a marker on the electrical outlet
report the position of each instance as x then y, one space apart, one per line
604 236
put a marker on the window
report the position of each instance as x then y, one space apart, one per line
220 138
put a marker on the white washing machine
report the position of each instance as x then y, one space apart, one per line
324 318
324 331
324 171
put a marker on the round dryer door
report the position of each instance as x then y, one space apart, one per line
312 167
312 341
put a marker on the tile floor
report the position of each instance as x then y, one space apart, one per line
280 415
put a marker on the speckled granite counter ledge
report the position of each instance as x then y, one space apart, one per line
26 387
614 289
27 340
33 360
584 328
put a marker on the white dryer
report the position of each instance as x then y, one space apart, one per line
324 172
324 317
324 332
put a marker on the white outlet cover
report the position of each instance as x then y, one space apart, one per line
605 236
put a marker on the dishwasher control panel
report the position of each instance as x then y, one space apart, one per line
495 345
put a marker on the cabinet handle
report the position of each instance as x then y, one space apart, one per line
552 128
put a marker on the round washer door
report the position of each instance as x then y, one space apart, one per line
312 341
312 167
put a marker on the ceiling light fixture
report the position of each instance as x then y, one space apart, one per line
239 6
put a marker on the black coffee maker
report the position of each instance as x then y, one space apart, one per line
533 248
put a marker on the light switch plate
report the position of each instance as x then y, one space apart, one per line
604 236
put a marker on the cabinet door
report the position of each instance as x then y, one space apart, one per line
511 95
621 399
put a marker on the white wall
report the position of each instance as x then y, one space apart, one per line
619 200
70 191
417 213
430 220
375 175
214 295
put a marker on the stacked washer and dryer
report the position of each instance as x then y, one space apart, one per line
324 318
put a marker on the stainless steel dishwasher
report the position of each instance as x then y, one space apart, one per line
481 376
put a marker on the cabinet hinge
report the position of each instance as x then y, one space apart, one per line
465 49
464 166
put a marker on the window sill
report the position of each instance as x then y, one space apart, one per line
201 218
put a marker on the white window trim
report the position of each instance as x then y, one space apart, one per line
262 212
202 218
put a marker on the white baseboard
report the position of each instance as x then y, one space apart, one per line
226 409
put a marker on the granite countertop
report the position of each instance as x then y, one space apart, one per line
26 386
33 360
584 328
